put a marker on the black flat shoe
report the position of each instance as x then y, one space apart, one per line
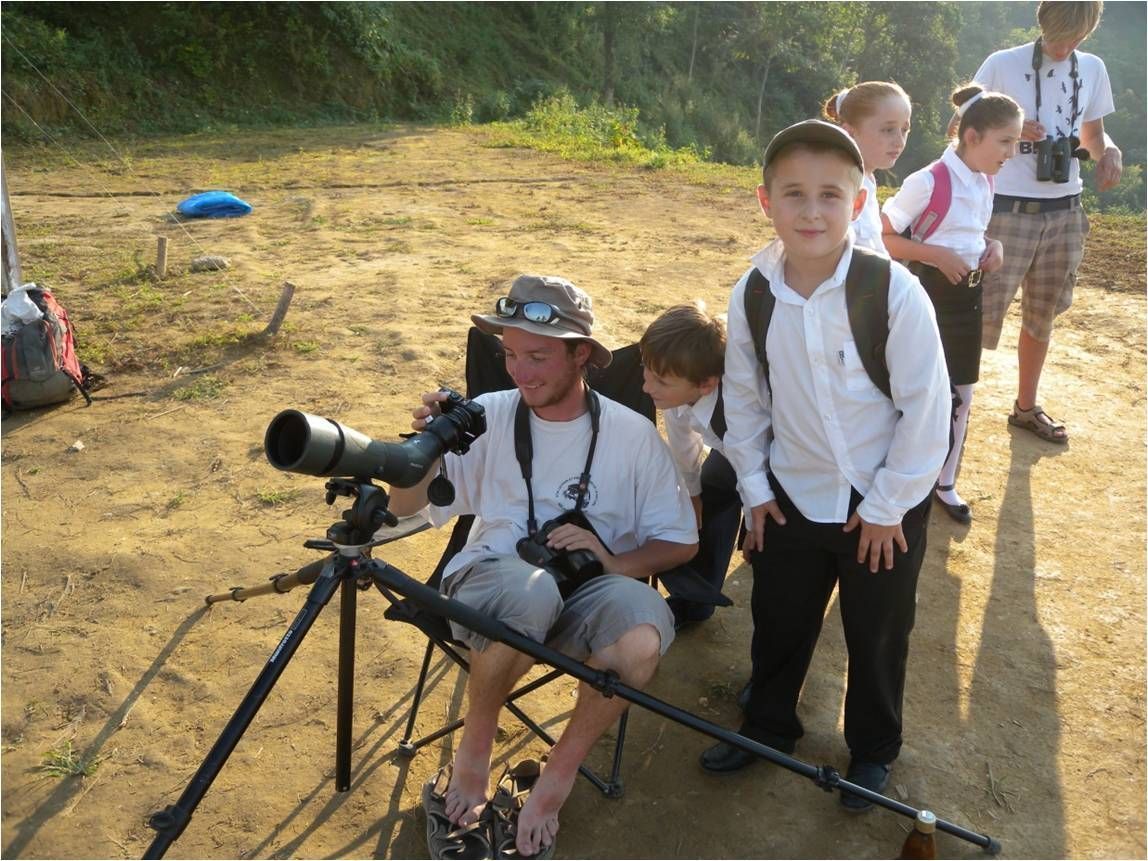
723 758
868 775
960 513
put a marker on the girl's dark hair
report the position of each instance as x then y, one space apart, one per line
990 111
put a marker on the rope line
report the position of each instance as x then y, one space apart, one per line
191 238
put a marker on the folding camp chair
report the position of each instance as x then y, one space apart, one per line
485 372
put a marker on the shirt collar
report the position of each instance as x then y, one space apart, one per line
771 261
703 407
957 167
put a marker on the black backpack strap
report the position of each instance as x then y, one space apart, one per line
717 420
867 299
759 303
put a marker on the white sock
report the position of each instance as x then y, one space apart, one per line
952 465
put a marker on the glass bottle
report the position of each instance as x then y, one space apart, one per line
920 843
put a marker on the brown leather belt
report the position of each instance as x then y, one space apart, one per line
1034 205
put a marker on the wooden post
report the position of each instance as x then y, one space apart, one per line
161 257
280 310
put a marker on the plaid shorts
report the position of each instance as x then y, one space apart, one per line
1043 251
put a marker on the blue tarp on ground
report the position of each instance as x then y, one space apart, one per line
213 204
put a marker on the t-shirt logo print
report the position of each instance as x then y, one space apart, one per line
567 494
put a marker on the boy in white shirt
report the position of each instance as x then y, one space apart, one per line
837 474
683 355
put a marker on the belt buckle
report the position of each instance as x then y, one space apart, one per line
975 278
1030 207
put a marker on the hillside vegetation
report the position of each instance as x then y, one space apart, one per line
711 79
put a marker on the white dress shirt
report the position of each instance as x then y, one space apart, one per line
867 229
962 230
688 432
824 428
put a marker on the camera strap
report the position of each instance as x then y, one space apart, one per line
1037 62
524 452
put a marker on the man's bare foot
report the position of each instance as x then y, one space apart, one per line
538 821
467 794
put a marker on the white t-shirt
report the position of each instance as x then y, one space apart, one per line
963 228
1010 71
867 228
634 496
688 432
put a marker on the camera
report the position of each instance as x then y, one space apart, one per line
1054 158
300 442
569 568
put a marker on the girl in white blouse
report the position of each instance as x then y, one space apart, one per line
877 115
944 209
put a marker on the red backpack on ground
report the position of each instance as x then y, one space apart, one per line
40 366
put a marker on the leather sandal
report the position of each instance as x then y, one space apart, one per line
959 512
1038 422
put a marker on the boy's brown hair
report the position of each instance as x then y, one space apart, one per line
1062 21
685 341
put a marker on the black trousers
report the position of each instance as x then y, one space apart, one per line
794 577
721 517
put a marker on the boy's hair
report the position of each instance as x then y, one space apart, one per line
1065 21
685 341
855 103
990 111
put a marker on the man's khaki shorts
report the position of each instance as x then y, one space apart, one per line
526 599
1042 251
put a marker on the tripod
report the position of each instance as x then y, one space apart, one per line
348 569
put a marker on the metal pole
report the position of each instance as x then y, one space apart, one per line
11 256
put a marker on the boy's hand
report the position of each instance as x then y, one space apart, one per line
876 542
949 262
755 537
571 537
1109 168
993 258
1032 131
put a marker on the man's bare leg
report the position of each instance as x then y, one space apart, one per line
493 674
1030 354
634 657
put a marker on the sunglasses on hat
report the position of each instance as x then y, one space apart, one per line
535 312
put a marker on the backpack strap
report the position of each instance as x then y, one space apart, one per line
867 300
759 303
926 224
717 419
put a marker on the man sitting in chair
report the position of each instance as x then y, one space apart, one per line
584 455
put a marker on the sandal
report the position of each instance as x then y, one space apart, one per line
1038 422
513 789
444 839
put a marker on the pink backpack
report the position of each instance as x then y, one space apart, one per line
926 224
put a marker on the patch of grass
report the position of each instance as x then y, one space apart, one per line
64 761
176 501
305 347
396 221
204 389
271 498
397 246
480 222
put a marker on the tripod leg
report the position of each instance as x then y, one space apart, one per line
345 707
172 820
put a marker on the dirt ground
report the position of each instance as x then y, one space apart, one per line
1024 710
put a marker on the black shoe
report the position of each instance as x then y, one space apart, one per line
723 758
873 776
960 513
743 697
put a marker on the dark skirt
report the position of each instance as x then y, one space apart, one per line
958 308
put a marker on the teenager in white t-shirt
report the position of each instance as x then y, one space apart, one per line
877 114
950 259
621 478
1040 221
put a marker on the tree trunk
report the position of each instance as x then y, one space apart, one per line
694 49
609 26
761 95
